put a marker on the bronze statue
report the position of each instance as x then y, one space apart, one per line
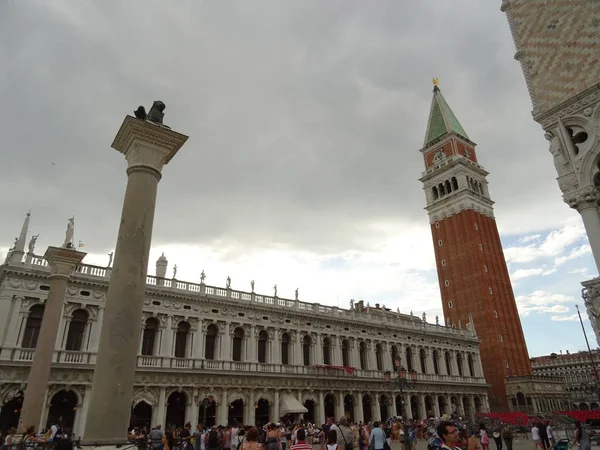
155 114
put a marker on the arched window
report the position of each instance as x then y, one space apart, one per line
454 183
448 187
471 365
262 346
326 351
436 367
423 361
32 326
480 188
379 356
394 355
285 348
149 336
345 353
238 340
210 343
362 352
459 364
409 359
441 189
76 332
306 343
434 191
181 337
448 363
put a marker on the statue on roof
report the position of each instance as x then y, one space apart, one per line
351 303
68 243
252 285
275 291
202 276
424 317
437 320
174 271
155 114
296 293
110 258
398 310
228 282
32 242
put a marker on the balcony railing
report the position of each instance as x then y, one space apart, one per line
83 359
369 315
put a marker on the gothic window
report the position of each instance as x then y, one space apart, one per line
238 341
149 336
423 361
326 351
345 353
409 360
480 188
471 365
454 183
262 346
181 337
306 343
379 356
434 191
441 189
362 350
32 326
459 364
76 331
448 363
210 343
285 348
447 186
436 367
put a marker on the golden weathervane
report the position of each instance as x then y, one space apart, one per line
436 81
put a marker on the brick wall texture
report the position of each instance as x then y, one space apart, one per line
470 258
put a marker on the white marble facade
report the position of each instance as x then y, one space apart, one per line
255 355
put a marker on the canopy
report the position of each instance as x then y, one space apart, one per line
288 404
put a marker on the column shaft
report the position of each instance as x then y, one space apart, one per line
114 374
276 407
591 222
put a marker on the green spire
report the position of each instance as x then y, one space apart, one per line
441 119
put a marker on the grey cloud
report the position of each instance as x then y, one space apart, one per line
305 118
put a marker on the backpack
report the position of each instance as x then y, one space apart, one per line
213 439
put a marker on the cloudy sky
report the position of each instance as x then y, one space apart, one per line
305 120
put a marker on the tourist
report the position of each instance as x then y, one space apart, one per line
199 437
165 443
507 436
345 435
483 437
543 435
235 430
251 440
213 442
448 435
581 439
301 443
227 438
272 437
497 435
331 442
550 434
30 439
155 437
535 437
8 439
377 439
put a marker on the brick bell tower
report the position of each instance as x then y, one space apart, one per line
474 282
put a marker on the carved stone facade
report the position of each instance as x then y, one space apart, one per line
558 45
200 341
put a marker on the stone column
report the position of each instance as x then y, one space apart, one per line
252 347
376 406
275 417
436 406
339 410
198 350
453 363
62 262
355 354
83 412
321 409
358 410
319 350
147 147
585 201
161 409
407 407
223 409
251 420
226 347
297 351
166 344
192 416
422 408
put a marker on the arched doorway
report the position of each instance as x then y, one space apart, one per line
309 416
414 407
62 410
429 406
367 408
141 415
208 411
477 405
467 407
329 405
236 412
399 409
349 407
454 405
521 402
176 409
263 415
442 405
383 407
11 411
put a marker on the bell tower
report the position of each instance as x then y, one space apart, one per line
474 282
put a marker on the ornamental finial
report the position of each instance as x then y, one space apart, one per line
436 82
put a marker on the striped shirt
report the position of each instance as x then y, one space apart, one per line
301 446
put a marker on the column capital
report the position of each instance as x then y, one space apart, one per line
62 261
147 145
583 199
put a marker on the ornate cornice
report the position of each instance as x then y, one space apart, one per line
574 105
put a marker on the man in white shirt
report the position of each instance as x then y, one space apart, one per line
234 436
535 436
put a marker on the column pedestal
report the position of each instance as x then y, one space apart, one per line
147 147
62 262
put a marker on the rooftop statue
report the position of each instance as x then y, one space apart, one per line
32 242
69 233
155 114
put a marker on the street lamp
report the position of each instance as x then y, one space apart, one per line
400 379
